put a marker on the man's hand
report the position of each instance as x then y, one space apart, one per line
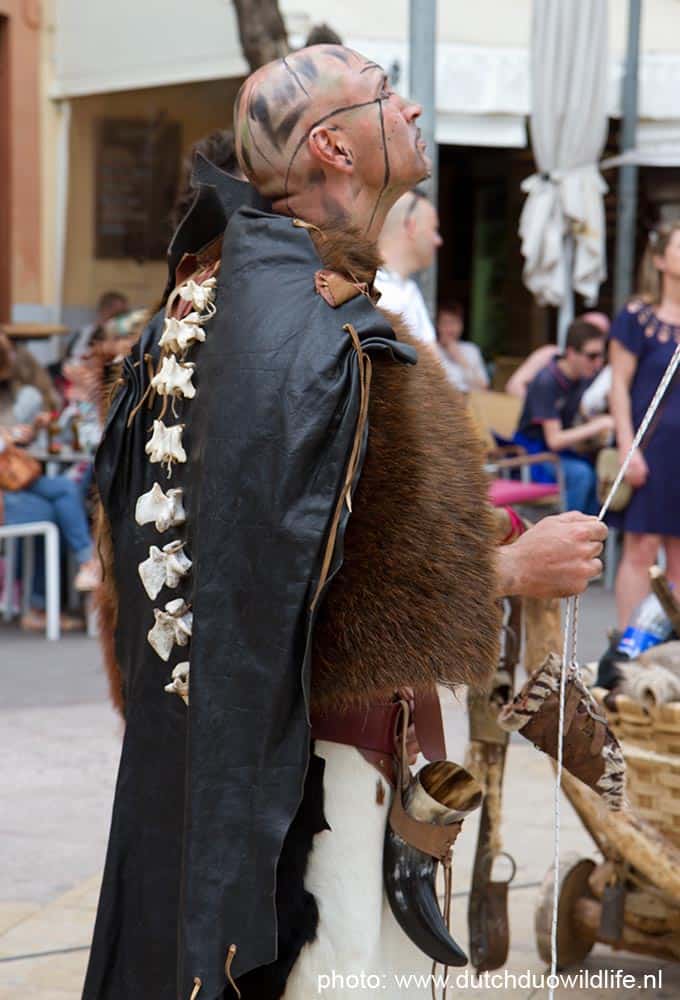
555 558
601 424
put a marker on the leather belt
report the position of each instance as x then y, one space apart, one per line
371 729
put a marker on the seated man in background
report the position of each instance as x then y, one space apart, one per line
520 380
462 360
549 419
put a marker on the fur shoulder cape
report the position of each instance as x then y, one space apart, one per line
413 603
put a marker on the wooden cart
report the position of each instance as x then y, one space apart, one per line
630 899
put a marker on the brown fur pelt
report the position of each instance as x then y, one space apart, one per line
414 601
106 606
347 251
102 387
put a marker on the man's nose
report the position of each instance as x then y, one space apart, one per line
411 111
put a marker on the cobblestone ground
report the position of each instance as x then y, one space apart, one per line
60 742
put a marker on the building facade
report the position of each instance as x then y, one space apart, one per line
106 100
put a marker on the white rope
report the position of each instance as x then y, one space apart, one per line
644 426
569 661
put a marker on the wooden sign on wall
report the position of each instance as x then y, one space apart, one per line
138 164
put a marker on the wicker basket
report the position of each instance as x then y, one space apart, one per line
650 739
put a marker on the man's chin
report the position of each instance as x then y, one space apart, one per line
425 167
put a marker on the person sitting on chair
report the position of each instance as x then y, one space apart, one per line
548 420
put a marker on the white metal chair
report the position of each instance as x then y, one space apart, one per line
9 533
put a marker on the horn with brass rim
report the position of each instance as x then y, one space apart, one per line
442 794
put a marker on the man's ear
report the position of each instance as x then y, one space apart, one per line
330 146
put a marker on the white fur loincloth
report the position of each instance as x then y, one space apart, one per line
357 934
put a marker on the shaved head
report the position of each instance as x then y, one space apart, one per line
410 236
322 135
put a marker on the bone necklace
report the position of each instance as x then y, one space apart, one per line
569 654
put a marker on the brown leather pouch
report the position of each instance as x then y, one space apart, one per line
591 751
17 469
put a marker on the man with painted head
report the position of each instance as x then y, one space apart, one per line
321 549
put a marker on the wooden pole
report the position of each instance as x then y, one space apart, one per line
625 834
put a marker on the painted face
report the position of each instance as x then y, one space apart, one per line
283 108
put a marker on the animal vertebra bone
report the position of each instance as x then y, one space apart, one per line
165 444
173 626
165 510
179 334
164 568
174 378
200 296
180 682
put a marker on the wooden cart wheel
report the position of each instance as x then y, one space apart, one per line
572 882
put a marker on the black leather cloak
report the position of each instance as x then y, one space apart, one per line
205 796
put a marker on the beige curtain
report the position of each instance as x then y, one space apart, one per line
562 226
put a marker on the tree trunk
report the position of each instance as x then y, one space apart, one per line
262 31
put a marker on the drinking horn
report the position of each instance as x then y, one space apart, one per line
420 834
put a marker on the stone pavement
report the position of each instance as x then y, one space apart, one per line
60 742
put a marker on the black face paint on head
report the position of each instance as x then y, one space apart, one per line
307 67
285 127
258 111
335 211
337 53
295 76
386 158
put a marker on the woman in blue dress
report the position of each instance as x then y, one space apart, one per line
644 336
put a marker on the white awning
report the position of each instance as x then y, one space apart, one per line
482 91
499 131
657 145
130 45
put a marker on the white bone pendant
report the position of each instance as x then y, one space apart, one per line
173 627
179 334
200 296
164 568
173 378
180 682
165 510
165 444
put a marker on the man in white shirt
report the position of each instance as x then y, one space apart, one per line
408 242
